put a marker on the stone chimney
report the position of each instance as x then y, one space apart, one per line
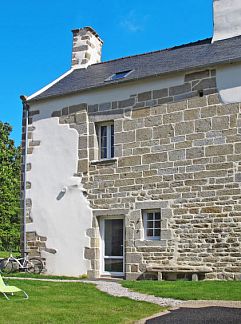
86 47
227 19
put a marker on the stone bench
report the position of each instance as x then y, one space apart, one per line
173 270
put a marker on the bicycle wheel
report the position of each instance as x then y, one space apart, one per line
34 265
7 266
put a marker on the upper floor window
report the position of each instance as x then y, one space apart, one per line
152 224
106 140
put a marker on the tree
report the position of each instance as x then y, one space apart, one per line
10 170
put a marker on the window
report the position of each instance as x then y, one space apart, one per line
118 75
106 140
152 224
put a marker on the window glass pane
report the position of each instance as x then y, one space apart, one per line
157 224
112 141
157 232
114 265
149 216
114 237
157 215
119 75
150 224
103 142
149 232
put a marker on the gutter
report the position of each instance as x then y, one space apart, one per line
24 164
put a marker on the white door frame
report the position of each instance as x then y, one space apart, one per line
102 247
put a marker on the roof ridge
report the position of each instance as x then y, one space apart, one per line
199 42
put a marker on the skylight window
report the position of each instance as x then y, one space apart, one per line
118 75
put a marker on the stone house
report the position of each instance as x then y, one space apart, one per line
132 167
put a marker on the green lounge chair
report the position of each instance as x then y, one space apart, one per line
4 289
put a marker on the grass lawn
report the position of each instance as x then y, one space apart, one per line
188 290
39 276
4 254
51 302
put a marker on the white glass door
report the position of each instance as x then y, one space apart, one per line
112 246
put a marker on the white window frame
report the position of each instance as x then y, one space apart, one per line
108 124
145 212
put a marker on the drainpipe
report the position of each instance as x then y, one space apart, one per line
25 117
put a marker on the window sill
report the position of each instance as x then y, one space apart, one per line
103 162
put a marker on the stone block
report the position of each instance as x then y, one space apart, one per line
177 106
81 117
150 204
126 103
186 87
237 147
208 111
76 108
191 114
133 258
197 102
220 123
125 137
105 106
143 134
93 108
34 143
131 124
164 131
129 161
151 121
176 155
83 165
197 75
203 125
144 96
82 142
160 93
184 128
153 158
173 117
56 114
162 101
219 150
195 153
141 113
228 109
213 99
208 83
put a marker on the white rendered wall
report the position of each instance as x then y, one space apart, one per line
107 94
229 82
61 217
227 19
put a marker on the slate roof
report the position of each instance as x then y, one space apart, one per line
181 58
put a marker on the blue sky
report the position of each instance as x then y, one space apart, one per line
36 38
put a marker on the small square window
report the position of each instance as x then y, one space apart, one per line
105 133
152 224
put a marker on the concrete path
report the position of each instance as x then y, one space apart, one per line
116 289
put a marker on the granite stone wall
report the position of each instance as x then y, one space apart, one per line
178 150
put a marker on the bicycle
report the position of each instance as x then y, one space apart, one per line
11 264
